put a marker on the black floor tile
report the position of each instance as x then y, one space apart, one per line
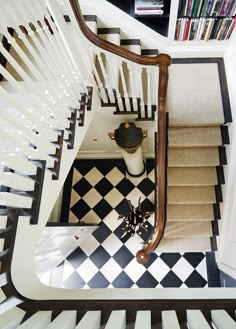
102 208
171 280
74 281
102 232
98 281
82 187
194 258
195 280
76 258
123 281
147 281
123 257
170 258
99 257
103 187
80 209
125 187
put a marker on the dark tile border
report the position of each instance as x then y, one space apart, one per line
224 135
213 273
216 209
220 175
65 208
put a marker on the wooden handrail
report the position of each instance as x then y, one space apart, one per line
162 61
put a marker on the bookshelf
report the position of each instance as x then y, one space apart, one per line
158 23
204 20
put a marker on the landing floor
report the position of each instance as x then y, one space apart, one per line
95 193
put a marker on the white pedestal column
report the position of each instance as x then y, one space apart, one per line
134 162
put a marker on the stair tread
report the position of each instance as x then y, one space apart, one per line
188 229
191 195
193 156
194 137
192 102
190 212
191 176
184 244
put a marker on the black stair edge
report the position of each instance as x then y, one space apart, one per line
216 210
125 112
224 135
224 91
108 30
81 110
56 169
66 18
130 42
149 52
215 227
222 155
218 192
220 175
89 98
71 129
213 273
90 18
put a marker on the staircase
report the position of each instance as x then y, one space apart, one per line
46 121
197 134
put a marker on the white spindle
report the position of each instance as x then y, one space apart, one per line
141 94
91 320
169 320
149 90
112 62
97 77
143 320
17 182
133 93
222 320
124 87
195 320
106 78
39 320
12 318
14 200
117 320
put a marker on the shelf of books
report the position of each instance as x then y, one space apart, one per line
148 7
205 20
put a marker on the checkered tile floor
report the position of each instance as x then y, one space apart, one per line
99 193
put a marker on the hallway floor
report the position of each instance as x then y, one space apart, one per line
95 193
